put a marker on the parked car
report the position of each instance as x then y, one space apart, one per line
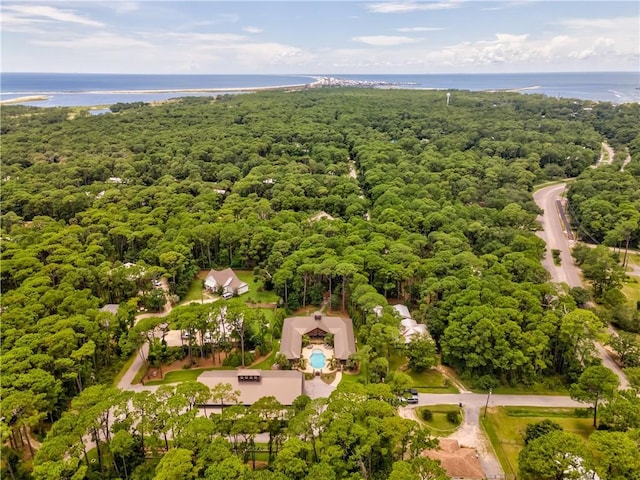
411 395
227 295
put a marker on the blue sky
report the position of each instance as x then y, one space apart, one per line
269 37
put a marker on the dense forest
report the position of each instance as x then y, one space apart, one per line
430 205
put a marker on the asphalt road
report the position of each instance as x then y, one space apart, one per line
567 272
553 234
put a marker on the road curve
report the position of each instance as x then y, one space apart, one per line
554 235
567 272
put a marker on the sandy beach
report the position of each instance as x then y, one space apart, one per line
31 98
206 90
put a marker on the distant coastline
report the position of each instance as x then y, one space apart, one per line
85 90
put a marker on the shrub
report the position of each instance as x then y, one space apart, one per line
234 359
582 412
538 429
485 382
453 417
426 414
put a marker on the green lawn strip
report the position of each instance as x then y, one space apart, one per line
505 427
535 389
439 425
509 463
631 289
552 182
256 292
430 381
124 369
268 362
177 376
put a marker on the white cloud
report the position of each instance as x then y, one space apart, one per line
38 13
596 23
407 7
98 41
385 40
122 6
508 38
251 29
199 39
418 29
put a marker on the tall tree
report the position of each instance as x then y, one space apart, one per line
596 384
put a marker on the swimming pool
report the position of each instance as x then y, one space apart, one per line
317 358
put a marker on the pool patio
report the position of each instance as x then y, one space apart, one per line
326 350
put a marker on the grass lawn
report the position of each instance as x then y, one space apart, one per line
535 389
195 292
431 381
351 378
552 386
631 289
268 362
255 285
505 427
439 425
185 375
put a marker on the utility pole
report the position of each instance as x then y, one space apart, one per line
486 405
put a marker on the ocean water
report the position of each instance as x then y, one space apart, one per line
106 89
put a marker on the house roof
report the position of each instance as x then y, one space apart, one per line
416 330
295 327
402 310
111 308
225 278
462 463
321 216
284 385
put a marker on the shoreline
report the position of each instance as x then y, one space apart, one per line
35 96
30 98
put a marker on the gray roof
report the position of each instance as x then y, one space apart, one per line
284 385
225 278
295 327
111 308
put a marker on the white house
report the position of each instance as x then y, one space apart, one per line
409 328
402 310
227 280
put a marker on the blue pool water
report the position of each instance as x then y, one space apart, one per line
318 359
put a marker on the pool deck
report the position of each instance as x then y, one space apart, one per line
308 350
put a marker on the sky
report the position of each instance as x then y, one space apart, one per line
319 37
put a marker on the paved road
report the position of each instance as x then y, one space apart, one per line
567 272
553 234
470 434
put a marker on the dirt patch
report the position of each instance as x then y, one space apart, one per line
453 378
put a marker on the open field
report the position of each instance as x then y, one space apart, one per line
256 293
505 427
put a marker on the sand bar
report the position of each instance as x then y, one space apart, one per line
203 90
32 98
